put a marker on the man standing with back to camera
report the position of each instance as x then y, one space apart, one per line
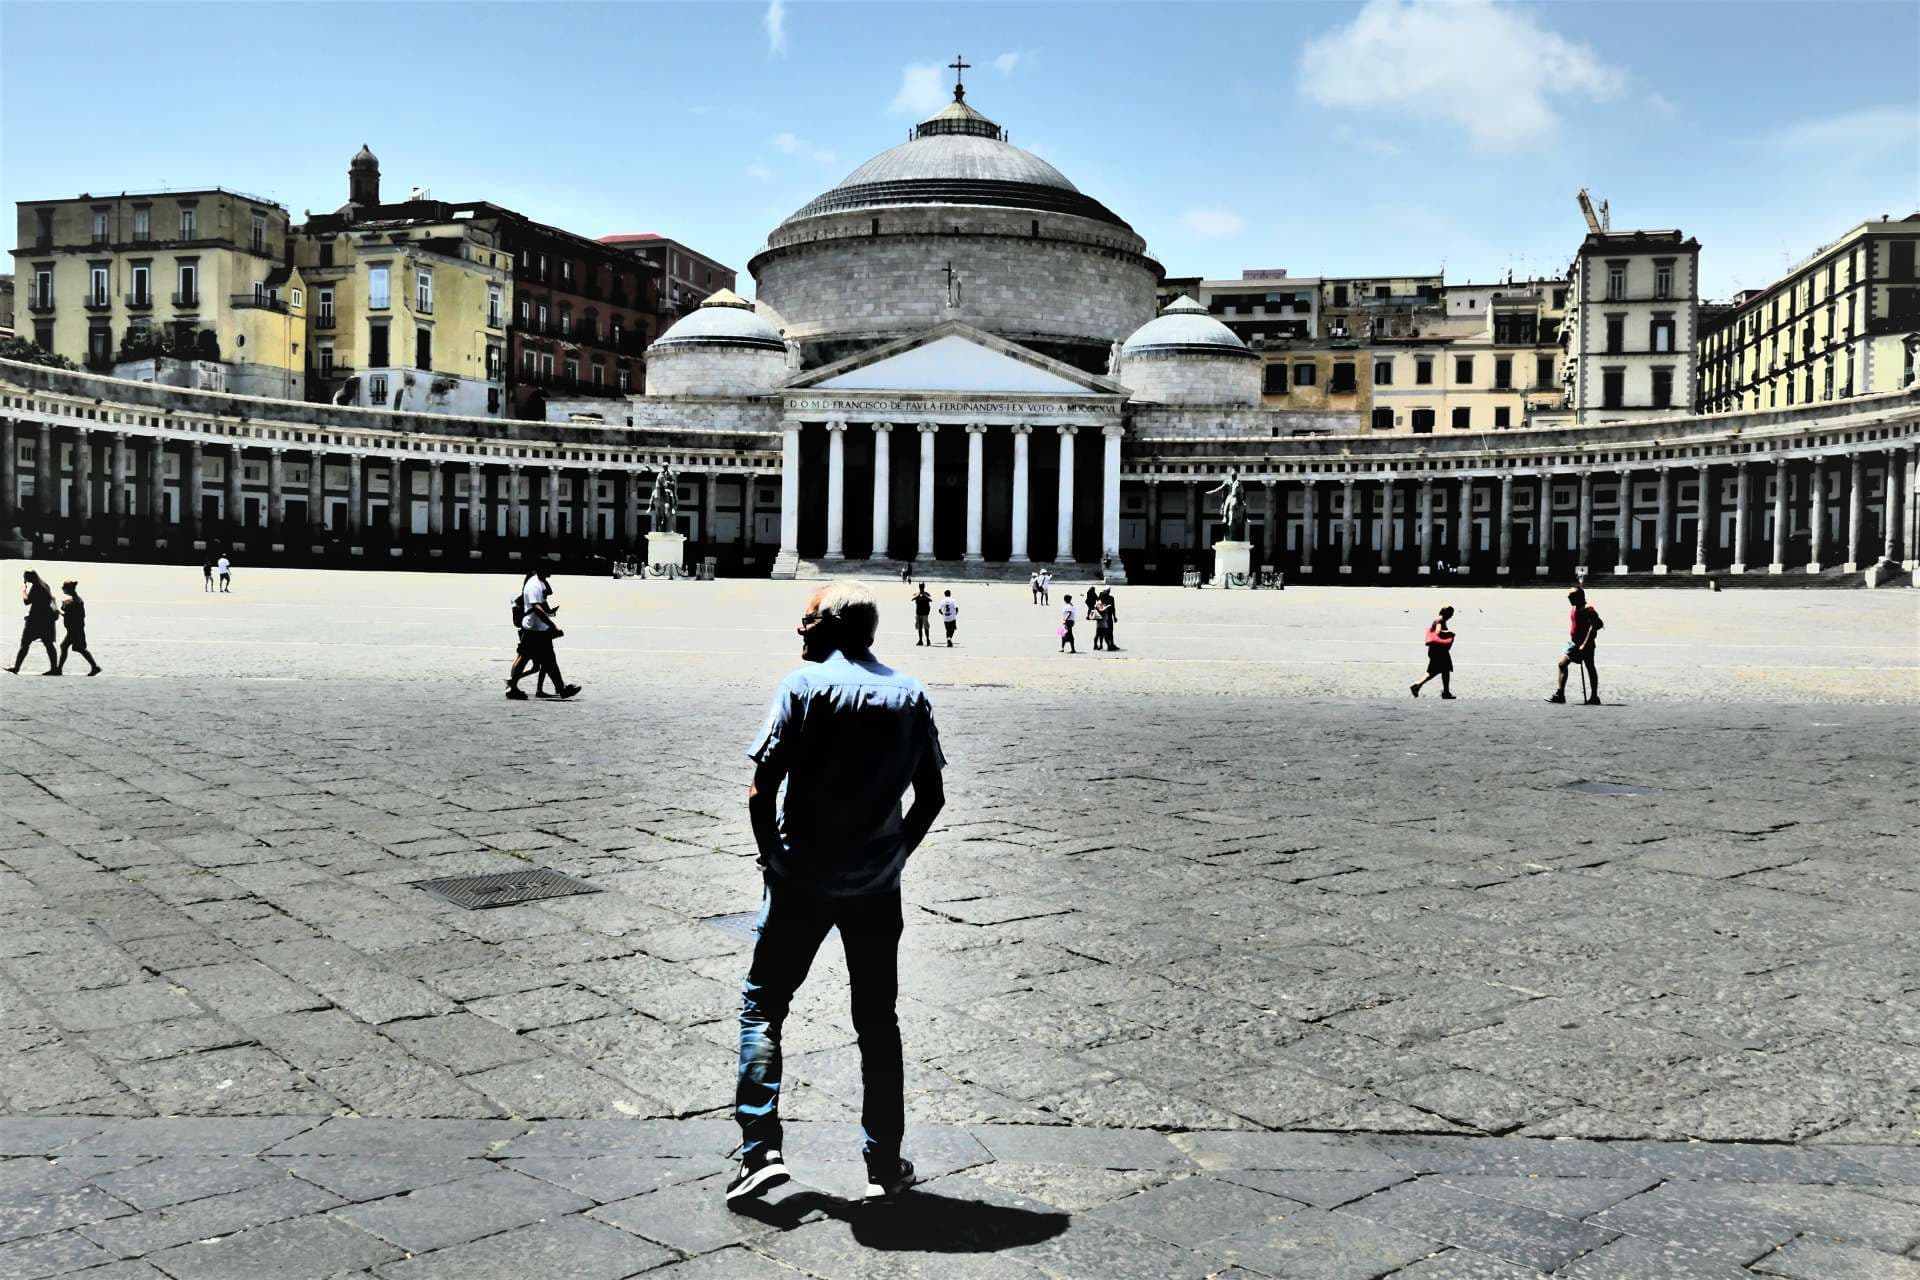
848 735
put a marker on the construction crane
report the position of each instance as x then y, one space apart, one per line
1598 223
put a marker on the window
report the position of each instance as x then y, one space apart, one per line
43 229
1559 299
1900 259
258 238
1343 376
626 379
43 336
326 360
1660 332
1274 380
1616 281
99 345
142 286
1616 335
1462 418
566 272
299 299
377 354
1423 422
423 348
616 331
100 225
1463 369
1502 417
1613 388
543 318
42 295
326 253
1303 375
377 389
1423 372
526 361
187 285
599 374
1543 371
97 284
493 363
1662 387
573 371
423 292
566 320
1339 295
1383 373
1663 279
1503 373
378 297
494 298
1383 419
543 266
189 222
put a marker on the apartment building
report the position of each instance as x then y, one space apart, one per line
1843 322
687 276
1631 325
1263 304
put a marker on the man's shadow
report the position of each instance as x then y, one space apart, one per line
917 1221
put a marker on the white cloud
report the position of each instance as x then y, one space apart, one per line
1493 71
923 90
1212 223
794 145
776 24
760 172
1006 62
1857 133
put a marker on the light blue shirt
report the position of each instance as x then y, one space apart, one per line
849 734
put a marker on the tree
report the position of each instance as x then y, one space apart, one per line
27 352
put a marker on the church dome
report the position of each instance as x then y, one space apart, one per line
724 319
1185 326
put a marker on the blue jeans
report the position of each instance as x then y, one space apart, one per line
793 924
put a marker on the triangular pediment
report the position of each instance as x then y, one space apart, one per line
954 357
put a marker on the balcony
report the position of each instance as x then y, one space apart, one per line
326 321
98 302
496 321
39 302
139 302
561 383
258 301
423 308
186 298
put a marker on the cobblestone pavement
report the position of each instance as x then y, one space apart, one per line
1302 986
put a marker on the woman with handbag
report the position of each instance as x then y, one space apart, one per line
38 624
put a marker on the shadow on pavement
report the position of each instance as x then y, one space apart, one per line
926 1222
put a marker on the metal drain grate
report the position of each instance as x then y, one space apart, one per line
505 888
1609 788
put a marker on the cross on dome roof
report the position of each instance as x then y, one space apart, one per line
959 65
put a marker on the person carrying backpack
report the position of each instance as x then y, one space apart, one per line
1584 627
1439 654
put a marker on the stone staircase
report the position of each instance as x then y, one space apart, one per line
956 571
1796 579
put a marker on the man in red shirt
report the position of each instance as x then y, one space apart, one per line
1439 654
1583 630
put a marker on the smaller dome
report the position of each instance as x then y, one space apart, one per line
364 158
725 319
1185 326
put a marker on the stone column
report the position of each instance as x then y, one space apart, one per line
1663 514
1584 533
1349 527
882 548
1742 501
1463 543
1910 512
1505 566
836 490
236 499
9 473
1153 514
709 505
923 532
1310 539
356 494
1021 439
436 500
789 491
1703 515
82 505
1856 490
156 485
1817 523
1110 492
277 494
1625 521
1426 525
519 514
45 474
976 487
1543 526
316 495
117 478
749 491
476 504
1890 508
1063 550
1196 516
1780 486
630 507
593 505
1388 527
399 501
553 505
196 487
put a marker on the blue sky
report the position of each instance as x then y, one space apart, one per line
1394 136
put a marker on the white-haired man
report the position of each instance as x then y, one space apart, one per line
848 735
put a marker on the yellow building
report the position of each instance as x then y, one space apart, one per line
1844 322
183 287
410 302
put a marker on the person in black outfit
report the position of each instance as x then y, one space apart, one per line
39 623
922 617
73 612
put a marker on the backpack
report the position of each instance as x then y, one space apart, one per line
519 609
1593 619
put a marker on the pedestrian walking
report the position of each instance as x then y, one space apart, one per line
538 631
226 573
949 615
1113 616
206 575
848 735
37 627
518 614
73 613
1033 585
1439 654
906 571
1097 617
922 617
1066 626
1583 627
1046 584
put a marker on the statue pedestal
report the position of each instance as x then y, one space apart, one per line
668 549
1232 563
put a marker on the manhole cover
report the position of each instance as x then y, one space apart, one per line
1609 789
743 924
505 888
